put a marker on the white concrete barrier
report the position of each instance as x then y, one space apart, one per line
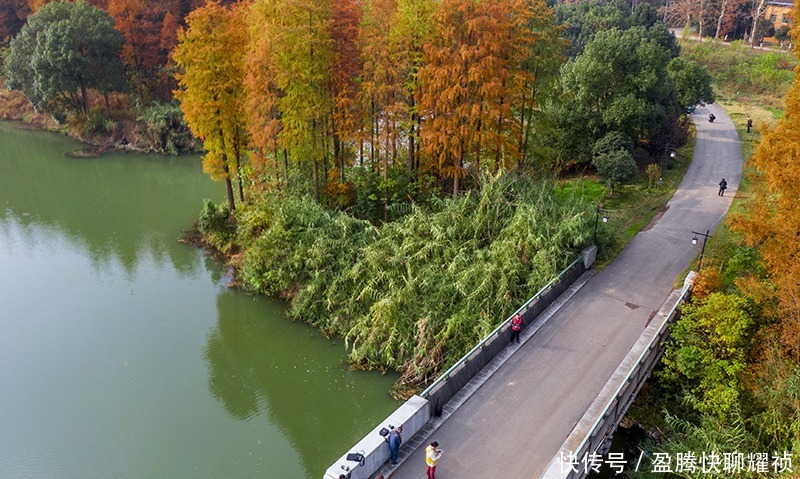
412 415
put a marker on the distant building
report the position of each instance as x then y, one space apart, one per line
780 13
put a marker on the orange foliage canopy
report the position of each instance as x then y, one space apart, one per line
474 78
211 55
773 216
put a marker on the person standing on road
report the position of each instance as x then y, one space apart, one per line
723 185
432 456
395 439
516 327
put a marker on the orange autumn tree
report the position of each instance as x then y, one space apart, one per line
140 21
263 95
477 76
772 220
210 56
410 31
344 76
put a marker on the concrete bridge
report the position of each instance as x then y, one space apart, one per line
564 389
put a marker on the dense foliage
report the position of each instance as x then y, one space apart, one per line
619 83
582 20
732 367
448 89
64 50
164 129
417 293
311 89
692 82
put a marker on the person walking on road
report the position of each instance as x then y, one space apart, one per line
723 185
516 327
432 456
395 439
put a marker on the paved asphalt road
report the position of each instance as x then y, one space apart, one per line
515 423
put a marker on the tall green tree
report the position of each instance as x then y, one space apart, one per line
64 50
410 31
581 20
692 81
210 55
539 53
620 83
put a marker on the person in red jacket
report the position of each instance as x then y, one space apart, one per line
516 327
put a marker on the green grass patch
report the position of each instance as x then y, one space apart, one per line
743 74
630 207
587 189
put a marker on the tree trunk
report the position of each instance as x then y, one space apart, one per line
373 131
394 142
759 10
419 145
84 98
226 169
721 16
411 139
701 18
498 157
228 183
286 164
277 163
338 160
457 175
108 105
238 151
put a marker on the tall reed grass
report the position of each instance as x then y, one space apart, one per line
415 294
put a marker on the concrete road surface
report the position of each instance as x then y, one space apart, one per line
515 423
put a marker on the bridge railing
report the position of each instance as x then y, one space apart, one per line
371 452
460 373
639 363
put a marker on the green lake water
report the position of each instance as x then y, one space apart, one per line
122 352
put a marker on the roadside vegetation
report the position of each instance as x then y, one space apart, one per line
729 378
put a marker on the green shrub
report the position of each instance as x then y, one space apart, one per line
97 124
615 167
213 217
164 129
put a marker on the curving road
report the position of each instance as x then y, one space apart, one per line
515 423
